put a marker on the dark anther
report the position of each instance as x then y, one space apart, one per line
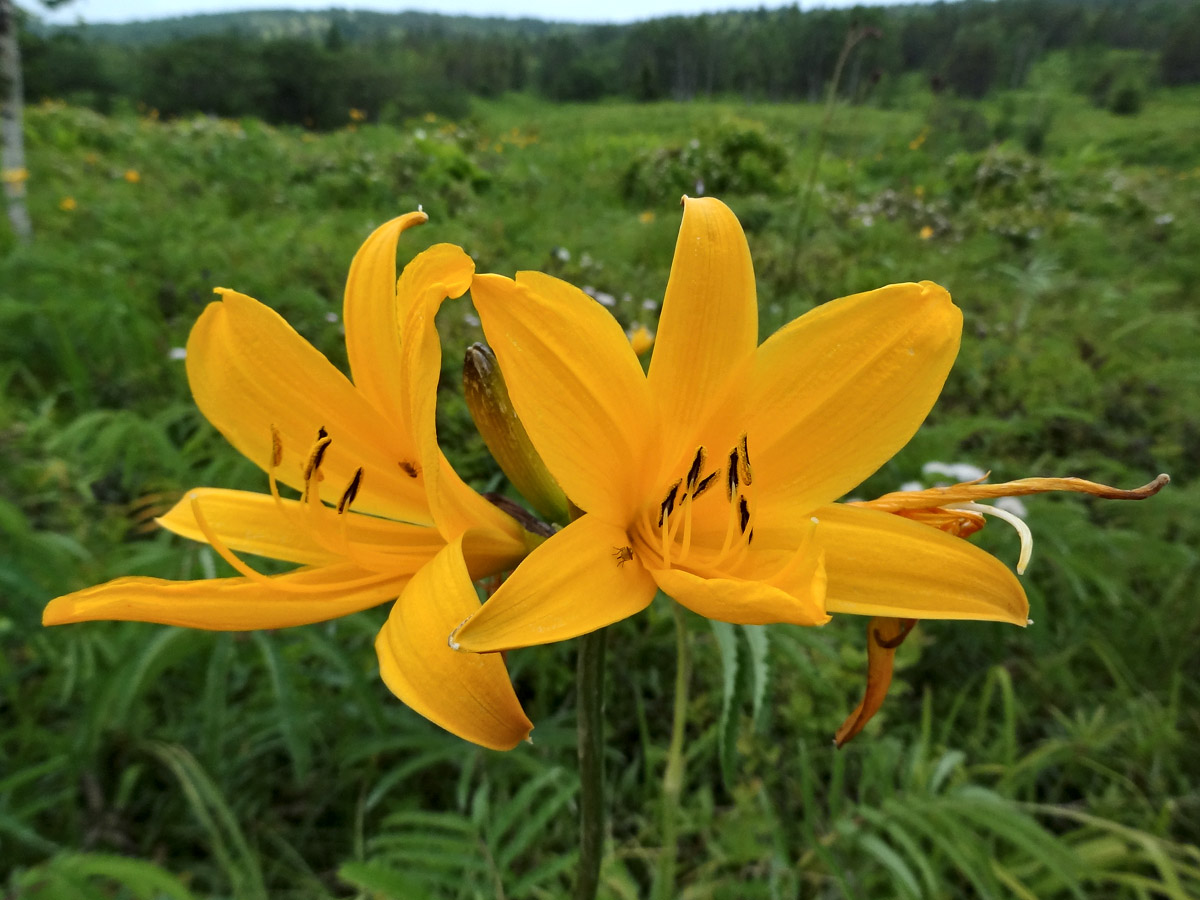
693 474
351 491
323 442
409 469
276 447
313 465
906 625
743 513
622 555
731 475
668 505
744 461
704 485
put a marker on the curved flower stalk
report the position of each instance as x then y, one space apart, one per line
380 513
712 476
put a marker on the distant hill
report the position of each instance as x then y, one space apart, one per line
269 24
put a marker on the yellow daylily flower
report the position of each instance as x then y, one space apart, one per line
956 510
380 512
712 477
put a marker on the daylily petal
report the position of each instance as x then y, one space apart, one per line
761 587
885 565
737 601
455 506
231 604
932 498
836 393
884 635
251 372
465 693
579 580
247 522
576 385
709 323
373 320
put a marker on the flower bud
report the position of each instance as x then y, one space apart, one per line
505 436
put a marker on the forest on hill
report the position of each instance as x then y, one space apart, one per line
310 68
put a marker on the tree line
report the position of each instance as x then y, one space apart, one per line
322 65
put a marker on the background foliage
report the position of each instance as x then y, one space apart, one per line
141 761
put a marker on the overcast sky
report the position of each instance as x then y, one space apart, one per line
558 10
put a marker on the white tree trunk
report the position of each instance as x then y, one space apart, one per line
12 147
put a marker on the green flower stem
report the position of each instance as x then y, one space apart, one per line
589 683
664 881
853 38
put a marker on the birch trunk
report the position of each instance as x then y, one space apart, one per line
12 148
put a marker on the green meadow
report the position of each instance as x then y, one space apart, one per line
1056 761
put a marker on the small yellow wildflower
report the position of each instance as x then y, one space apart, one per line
926 232
919 191
358 115
14 176
133 176
915 143
641 339
646 216
67 204
430 117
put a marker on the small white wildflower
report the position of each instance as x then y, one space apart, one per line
912 486
331 317
699 187
650 304
959 472
471 319
177 353
562 254
1013 505
606 299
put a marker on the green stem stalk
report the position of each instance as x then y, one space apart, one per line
853 37
589 683
664 882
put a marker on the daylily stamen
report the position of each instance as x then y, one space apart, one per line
254 575
693 475
743 452
312 466
687 516
223 551
705 484
731 475
351 491
1016 522
668 504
